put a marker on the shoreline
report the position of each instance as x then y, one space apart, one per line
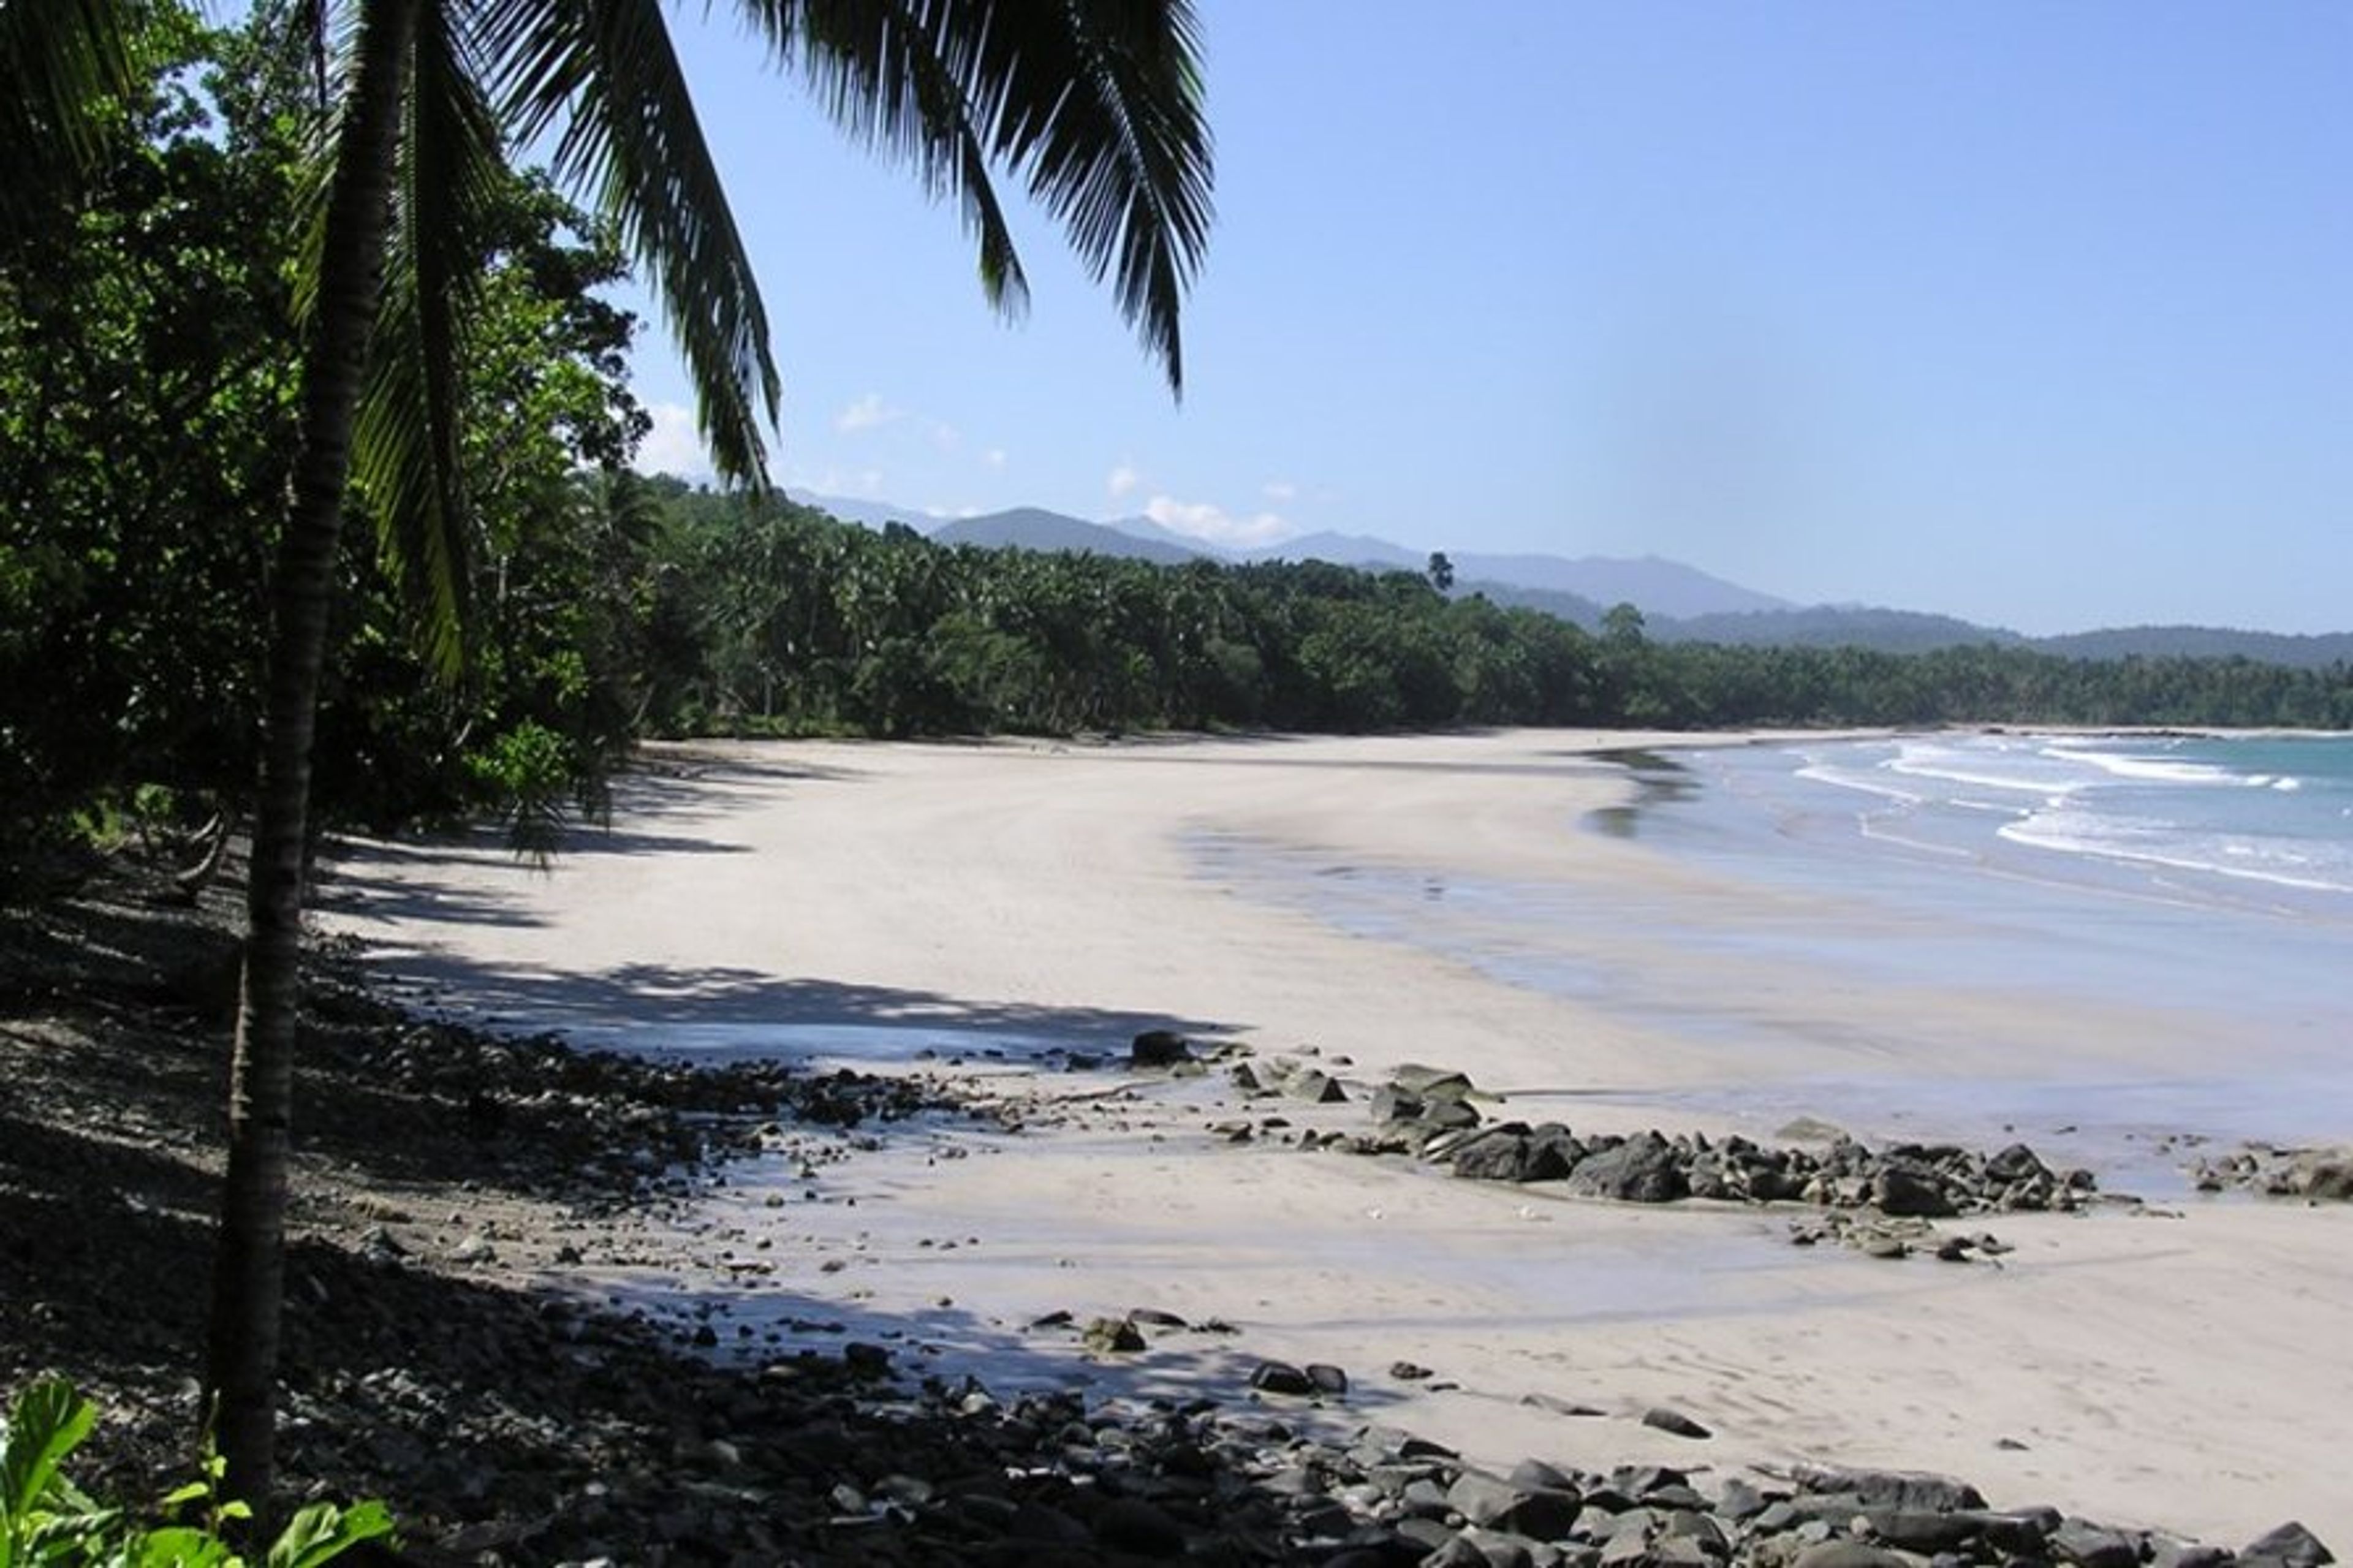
1044 893
465 1329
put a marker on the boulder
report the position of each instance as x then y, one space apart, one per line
1642 1170
1908 1190
1281 1377
1315 1087
1492 1502
2290 1543
1430 1083
1666 1419
1159 1048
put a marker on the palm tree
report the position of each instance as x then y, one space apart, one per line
1095 105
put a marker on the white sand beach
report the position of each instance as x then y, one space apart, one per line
2186 1369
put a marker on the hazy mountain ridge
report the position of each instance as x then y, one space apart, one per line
1679 602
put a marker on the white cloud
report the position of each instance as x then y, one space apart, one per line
1122 480
868 412
673 446
994 456
1206 519
1279 489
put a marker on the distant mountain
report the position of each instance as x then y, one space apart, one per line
1679 602
1655 587
2205 642
1344 550
1836 626
1144 528
1034 527
866 513
1567 606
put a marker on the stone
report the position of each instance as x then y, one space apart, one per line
1909 1191
2015 1163
1891 1489
1159 1048
1430 1083
1542 1513
2290 1543
1281 1377
1849 1554
1327 1378
1113 1336
1642 1170
1672 1421
1501 1156
1317 1088
2088 1546
866 1359
1133 1525
1534 1474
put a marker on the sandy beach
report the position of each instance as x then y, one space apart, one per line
2184 1368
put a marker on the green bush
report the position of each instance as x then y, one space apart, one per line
46 1522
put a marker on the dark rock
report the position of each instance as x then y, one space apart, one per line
2290 1543
865 1359
1315 1087
1849 1554
1924 1530
1542 1512
1642 1170
1891 1489
1910 1190
2016 1164
1134 1525
1674 1421
1159 1048
1281 1377
1113 1336
1327 1378
2088 1546
1740 1500
1430 1083
1535 1475
1501 1156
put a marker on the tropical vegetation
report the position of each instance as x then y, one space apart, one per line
399 199
186 657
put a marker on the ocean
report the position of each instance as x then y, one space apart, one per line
2125 940
2260 820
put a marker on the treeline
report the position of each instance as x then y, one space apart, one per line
147 386
786 620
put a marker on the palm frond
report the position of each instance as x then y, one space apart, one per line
406 461
66 64
882 73
606 72
1096 105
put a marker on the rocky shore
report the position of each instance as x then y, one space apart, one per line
450 1178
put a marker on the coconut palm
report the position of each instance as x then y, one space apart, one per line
1093 105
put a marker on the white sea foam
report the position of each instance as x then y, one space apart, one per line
2151 770
2148 842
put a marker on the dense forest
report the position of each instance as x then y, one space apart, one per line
146 416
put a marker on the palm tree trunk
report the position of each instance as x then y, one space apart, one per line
250 1263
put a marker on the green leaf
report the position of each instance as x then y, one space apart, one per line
48 1422
179 1546
322 1532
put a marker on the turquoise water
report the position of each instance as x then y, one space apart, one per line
2166 922
2267 820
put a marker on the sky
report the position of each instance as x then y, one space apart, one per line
2040 315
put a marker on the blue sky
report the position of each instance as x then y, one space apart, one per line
2037 314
